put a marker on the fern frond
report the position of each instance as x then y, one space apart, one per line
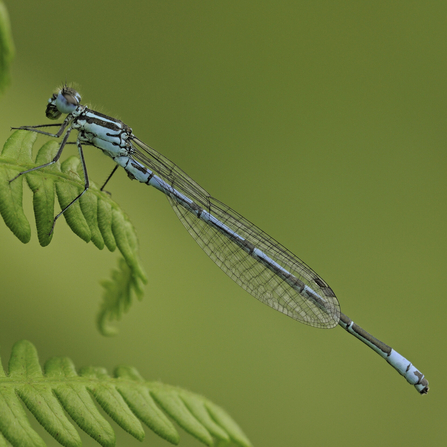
6 50
117 297
127 398
95 217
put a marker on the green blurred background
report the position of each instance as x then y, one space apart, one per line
323 123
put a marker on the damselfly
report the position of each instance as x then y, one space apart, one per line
250 257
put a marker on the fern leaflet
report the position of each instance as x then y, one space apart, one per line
95 217
127 398
117 297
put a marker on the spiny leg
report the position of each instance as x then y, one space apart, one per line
55 135
36 127
86 186
54 160
108 178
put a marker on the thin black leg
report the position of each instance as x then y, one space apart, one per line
54 160
109 177
86 186
66 122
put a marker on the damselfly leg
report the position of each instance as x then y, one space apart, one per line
56 158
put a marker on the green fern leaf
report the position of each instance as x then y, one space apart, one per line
6 48
127 398
16 152
43 192
117 297
95 217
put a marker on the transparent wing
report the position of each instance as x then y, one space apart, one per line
167 170
251 275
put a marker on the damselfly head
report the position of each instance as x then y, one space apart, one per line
64 101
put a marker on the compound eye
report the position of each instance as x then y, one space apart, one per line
67 101
64 101
52 111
